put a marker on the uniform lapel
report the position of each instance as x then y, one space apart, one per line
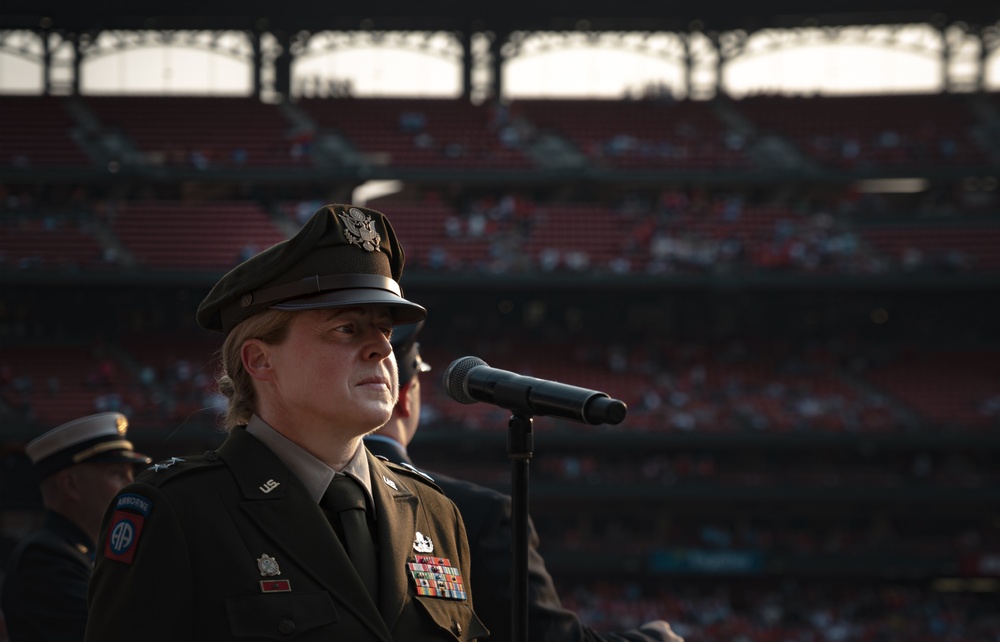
397 526
288 515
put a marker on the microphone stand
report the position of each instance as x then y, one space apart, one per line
520 445
514 393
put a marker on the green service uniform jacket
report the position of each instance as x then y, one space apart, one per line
230 546
487 514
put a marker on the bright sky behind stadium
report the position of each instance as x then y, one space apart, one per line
904 59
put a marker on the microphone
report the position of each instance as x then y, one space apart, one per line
470 379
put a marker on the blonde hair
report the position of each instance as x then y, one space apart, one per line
270 326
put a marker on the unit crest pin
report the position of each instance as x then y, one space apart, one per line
268 566
422 543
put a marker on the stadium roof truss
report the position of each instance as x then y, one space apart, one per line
708 37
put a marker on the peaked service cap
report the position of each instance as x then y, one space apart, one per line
343 256
408 359
94 438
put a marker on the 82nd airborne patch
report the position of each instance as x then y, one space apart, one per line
130 515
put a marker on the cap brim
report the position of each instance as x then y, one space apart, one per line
403 311
119 456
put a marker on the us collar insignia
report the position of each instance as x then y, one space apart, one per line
422 543
268 566
436 577
360 230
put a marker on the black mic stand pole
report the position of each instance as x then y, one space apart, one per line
520 445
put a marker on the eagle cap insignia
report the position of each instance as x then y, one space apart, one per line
360 229
422 543
268 566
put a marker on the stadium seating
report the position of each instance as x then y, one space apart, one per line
714 610
638 134
759 394
51 243
592 230
424 133
46 143
193 235
942 246
871 131
54 383
178 371
956 399
204 133
422 226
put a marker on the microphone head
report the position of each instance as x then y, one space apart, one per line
605 410
455 376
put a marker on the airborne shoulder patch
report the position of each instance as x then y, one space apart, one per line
131 511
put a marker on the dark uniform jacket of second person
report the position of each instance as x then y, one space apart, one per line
231 546
487 515
45 587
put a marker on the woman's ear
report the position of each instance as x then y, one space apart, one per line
257 359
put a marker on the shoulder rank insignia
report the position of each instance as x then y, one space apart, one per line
163 465
416 470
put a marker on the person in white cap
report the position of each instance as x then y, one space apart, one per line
82 464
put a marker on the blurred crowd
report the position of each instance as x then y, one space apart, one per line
685 388
682 231
792 611
701 231
765 387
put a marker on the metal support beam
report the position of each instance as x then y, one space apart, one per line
466 38
43 34
496 63
283 66
256 63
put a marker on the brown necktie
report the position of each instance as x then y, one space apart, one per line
344 505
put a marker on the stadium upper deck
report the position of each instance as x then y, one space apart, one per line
752 138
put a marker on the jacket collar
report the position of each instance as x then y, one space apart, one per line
280 505
389 448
